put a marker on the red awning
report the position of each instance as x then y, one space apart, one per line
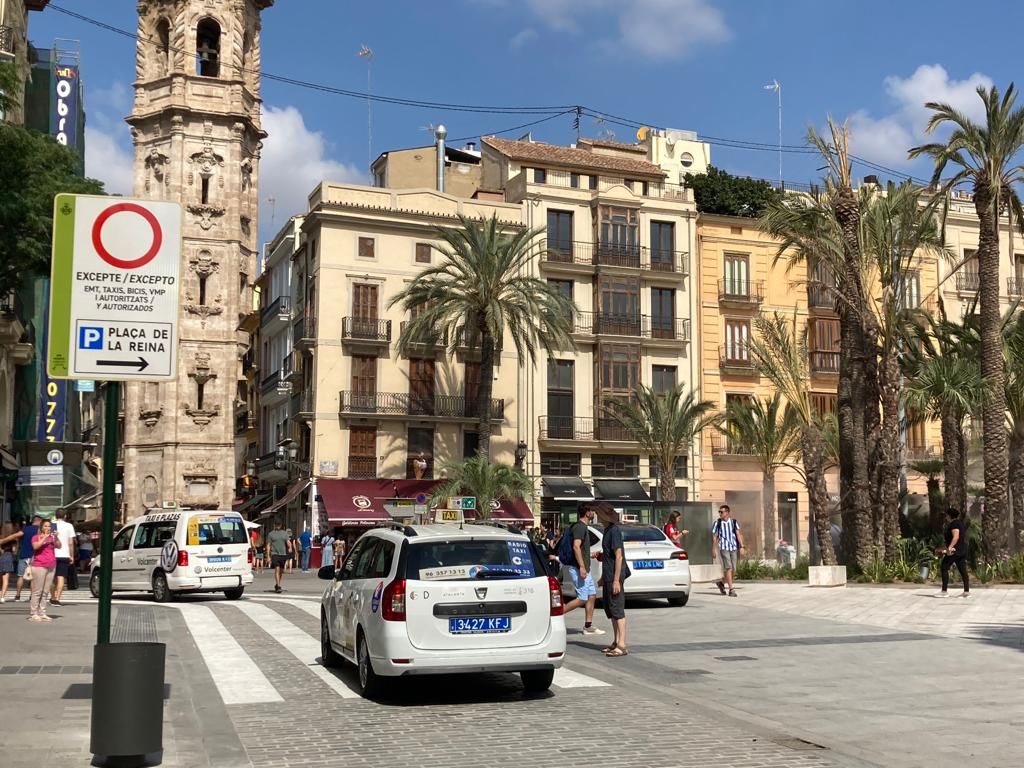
357 502
515 510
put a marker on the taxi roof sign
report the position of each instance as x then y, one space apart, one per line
449 516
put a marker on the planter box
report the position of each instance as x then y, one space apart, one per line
827 576
705 573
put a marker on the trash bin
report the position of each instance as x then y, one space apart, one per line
127 699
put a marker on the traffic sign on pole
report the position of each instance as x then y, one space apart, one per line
114 286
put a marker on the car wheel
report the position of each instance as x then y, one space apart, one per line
161 592
234 593
537 680
369 682
94 584
328 656
679 602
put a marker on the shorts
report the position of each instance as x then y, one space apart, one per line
7 562
259 554
585 588
728 558
23 565
63 566
84 555
614 605
279 561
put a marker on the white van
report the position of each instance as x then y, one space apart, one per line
183 551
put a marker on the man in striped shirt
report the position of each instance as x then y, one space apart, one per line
726 541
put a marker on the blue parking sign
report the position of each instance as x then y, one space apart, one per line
90 337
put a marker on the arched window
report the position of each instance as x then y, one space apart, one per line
163 50
208 48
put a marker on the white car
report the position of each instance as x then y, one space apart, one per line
438 599
659 568
170 553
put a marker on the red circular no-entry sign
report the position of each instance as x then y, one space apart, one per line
107 256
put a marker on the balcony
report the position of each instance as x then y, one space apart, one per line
362 467
290 368
276 317
723 446
735 360
6 43
304 332
244 421
967 281
404 405
584 428
655 329
824 363
366 333
741 293
249 362
303 405
614 186
561 252
467 343
269 469
275 384
434 342
1015 286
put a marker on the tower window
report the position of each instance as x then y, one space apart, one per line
205 190
202 290
208 48
200 393
163 37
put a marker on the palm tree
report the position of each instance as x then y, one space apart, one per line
487 482
779 350
986 156
665 424
768 429
481 289
1014 336
931 469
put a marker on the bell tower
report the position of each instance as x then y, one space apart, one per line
196 129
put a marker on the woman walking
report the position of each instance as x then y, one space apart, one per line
339 553
327 552
955 553
44 563
8 561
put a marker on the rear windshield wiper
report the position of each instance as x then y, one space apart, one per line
497 574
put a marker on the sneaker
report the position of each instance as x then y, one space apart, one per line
17 598
964 594
593 631
721 586
277 589
732 593
943 594
3 599
45 618
55 602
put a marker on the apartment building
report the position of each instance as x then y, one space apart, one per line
619 239
416 168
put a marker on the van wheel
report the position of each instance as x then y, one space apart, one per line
94 584
369 683
161 592
234 593
537 680
679 602
328 656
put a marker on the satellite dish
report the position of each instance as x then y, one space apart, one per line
642 133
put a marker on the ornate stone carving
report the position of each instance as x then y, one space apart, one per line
247 169
201 371
203 264
206 160
204 311
150 416
201 417
207 214
155 167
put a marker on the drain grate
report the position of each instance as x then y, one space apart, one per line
735 658
84 691
134 624
69 670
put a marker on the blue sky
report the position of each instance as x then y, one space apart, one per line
693 64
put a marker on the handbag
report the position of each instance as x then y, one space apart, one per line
28 571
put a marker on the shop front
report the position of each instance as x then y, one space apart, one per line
629 499
350 507
560 499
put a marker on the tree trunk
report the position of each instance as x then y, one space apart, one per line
993 411
483 398
1017 487
954 460
935 505
813 451
768 500
888 458
667 481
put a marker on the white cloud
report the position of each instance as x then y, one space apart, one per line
522 38
109 160
887 138
294 160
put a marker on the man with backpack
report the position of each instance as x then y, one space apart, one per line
574 553
726 542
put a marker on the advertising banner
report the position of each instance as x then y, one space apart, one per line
64 114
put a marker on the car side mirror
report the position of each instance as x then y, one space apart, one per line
326 572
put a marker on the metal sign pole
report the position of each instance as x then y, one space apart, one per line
111 441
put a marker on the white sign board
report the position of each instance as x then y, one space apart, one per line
114 289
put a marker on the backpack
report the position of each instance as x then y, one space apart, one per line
564 550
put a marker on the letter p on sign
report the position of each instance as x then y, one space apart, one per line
90 337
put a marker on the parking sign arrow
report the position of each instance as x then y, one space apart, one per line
140 365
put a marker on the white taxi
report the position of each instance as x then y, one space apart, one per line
170 553
659 568
437 599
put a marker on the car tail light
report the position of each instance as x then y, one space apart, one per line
251 557
182 558
679 554
557 609
392 602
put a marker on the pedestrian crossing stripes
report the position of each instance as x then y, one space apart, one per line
566 678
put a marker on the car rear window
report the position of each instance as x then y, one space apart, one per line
461 559
216 529
643 533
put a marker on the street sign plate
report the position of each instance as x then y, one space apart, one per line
114 289
462 502
54 457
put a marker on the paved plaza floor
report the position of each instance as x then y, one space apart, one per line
783 675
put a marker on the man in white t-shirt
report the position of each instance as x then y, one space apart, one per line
65 555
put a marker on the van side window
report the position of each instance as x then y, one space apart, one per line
349 566
124 539
364 566
382 561
153 535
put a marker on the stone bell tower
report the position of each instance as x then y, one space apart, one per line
196 129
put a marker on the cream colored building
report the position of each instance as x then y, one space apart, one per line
416 168
196 128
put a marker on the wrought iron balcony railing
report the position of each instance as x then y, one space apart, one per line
739 291
361 329
420 406
615 255
584 428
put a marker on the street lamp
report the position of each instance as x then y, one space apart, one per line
520 454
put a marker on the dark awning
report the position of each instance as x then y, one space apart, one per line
565 489
620 490
259 500
362 502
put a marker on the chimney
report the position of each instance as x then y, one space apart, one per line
471 146
872 179
440 133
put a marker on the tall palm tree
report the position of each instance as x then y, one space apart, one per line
1014 335
769 429
986 155
480 289
779 350
487 482
931 469
665 424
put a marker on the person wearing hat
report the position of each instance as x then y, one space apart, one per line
614 572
